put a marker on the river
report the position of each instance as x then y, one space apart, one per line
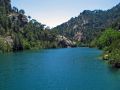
57 69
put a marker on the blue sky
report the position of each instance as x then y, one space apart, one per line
55 12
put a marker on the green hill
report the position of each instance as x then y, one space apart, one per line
20 32
89 23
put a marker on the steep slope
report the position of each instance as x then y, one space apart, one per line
89 23
5 6
109 42
20 32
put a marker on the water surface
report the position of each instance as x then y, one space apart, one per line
57 69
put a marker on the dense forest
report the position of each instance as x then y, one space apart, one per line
20 32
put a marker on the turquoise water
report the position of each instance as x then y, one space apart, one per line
57 69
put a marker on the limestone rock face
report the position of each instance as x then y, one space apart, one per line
78 36
65 42
9 40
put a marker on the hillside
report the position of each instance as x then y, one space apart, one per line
89 24
96 28
21 32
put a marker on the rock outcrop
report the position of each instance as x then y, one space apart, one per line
89 23
78 36
65 42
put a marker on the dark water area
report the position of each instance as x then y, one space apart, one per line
57 69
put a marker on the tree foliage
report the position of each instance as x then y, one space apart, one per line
19 33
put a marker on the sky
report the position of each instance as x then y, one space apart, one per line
56 12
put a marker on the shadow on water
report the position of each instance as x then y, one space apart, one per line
113 70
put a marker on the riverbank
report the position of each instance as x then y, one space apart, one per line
109 42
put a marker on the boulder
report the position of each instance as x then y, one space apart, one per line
106 57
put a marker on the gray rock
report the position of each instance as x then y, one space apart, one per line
65 42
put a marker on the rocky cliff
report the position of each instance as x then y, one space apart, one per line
89 23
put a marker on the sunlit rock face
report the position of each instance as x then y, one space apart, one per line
65 42
78 36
